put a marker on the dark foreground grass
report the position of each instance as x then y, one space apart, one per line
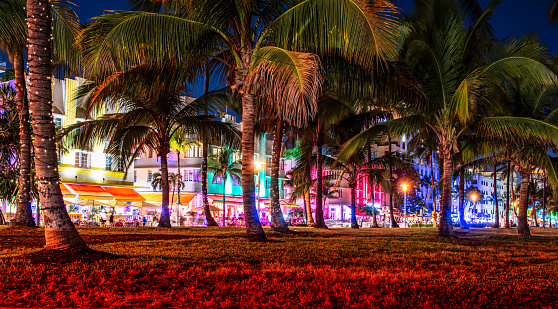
213 268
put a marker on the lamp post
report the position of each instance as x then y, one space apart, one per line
259 166
405 188
474 199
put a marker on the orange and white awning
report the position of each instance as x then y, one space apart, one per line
124 194
92 192
65 191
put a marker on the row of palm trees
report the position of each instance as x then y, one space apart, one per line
310 66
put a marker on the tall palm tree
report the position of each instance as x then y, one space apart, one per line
13 38
264 49
13 33
457 75
60 232
222 167
151 109
180 143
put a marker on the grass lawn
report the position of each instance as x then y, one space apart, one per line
217 267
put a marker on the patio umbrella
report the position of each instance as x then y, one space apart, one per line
143 204
86 203
116 203
211 208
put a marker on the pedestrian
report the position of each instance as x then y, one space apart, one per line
144 220
111 219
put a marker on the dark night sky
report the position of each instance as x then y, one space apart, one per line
513 17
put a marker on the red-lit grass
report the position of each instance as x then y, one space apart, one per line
320 269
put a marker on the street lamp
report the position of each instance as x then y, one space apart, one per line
259 165
474 199
405 188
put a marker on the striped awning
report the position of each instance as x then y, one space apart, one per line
66 192
124 194
90 192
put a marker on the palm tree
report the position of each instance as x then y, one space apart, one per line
13 34
222 167
151 111
457 75
277 221
179 143
301 180
262 48
13 38
60 232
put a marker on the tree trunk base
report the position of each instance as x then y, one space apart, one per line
212 222
355 226
63 240
25 223
283 230
320 226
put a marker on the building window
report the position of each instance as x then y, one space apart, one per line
58 123
150 156
149 175
82 159
108 163
268 183
135 175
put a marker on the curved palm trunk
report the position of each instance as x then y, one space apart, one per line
522 225
496 209
308 206
208 217
462 222
164 221
508 195
254 229
24 214
60 232
393 224
446 228
277 221
354 223
320 222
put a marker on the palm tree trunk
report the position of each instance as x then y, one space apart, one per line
462 221
496 210
354 223
445 228
535 213
373 198
544 201
320 222
254 229
522 225
308 206
164 221
391 182
224 203
24 214
508 194
205 147
277 221
179 182
372 190
433 182
60 232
